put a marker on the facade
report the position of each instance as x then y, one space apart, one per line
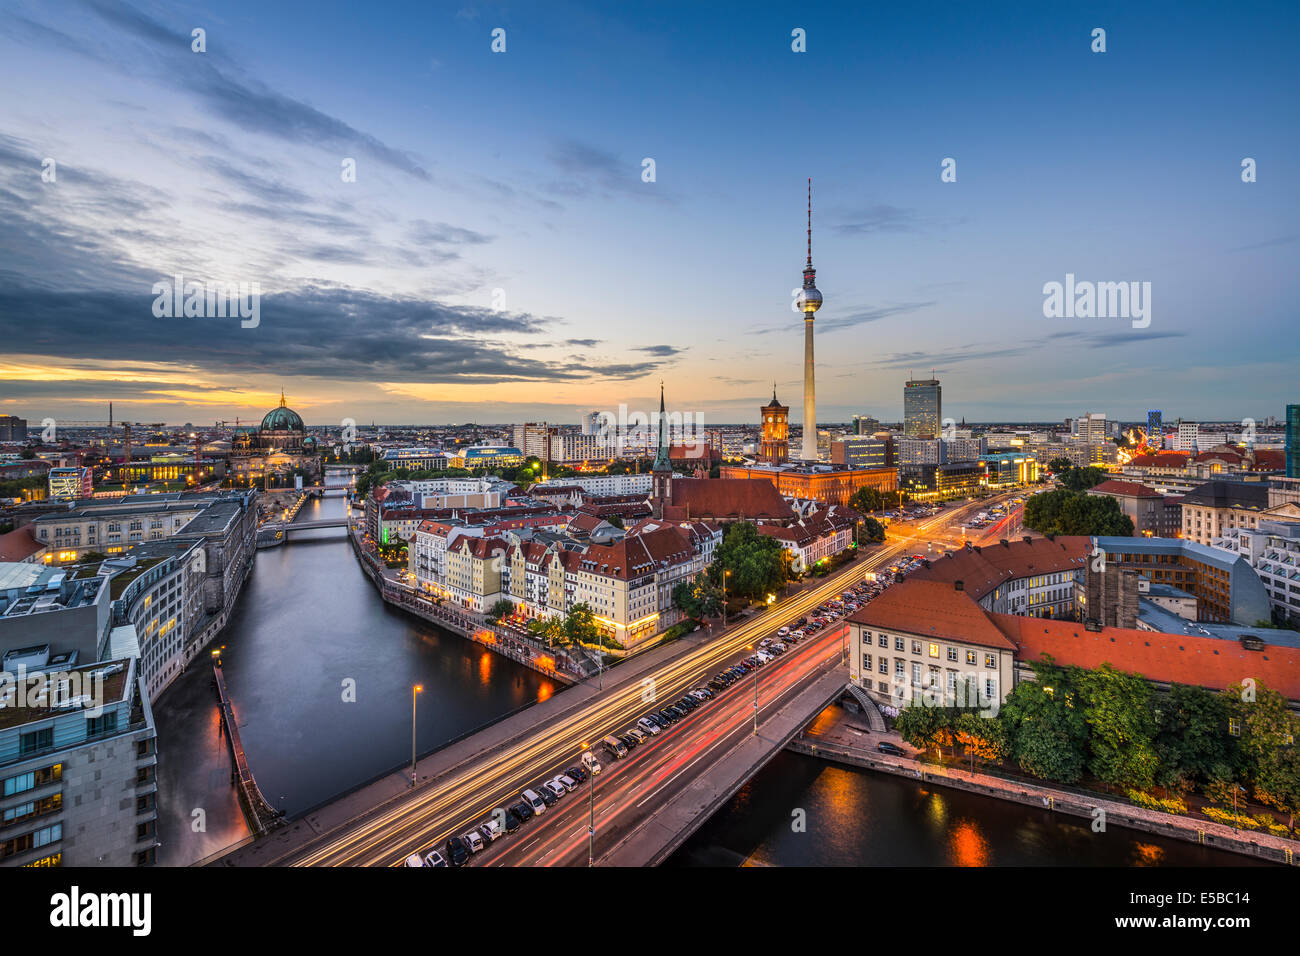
1214 508
1153 514
13 429
1002 469
425 459
1032 576
1293 441
78 778
774 446
1093 428
922 408
1273 550
860 452
488 456
601 484
818 537
71 483
829 484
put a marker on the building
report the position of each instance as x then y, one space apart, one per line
1003 469
865 425
641 484
774 445
809 301
1155 429
78 768
488 456
917 641
1293 441
1188 436
830 484
20 547
1273 550
533 440
424 459
922 408
1153 514
13 429
818 537
1032 576
71 483
277 450
1212 509
860 452
1093 429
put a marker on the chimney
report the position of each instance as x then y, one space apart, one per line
1027 539
1092 624
959 585
1251 642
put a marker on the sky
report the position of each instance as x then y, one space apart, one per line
504 255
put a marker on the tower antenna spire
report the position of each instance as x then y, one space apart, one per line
810 220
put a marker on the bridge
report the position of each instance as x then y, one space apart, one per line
275 533
644 806
261 816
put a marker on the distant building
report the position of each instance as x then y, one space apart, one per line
922 408
1153 514
71 483
1273 550
774 446
1155 430
1214 508
829 484
860 452
1293 441
1093 429
13 429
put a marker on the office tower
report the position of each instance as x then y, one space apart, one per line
1293 441
1155 430
922 408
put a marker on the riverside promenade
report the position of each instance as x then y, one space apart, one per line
843 738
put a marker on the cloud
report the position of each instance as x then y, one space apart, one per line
590 170
857 317
662 351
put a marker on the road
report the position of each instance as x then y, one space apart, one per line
467 794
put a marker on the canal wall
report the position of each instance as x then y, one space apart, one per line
555 664
1260 845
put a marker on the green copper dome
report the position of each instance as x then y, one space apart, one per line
282 419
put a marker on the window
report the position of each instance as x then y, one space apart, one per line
952 654
934 650
884 665
900 668
990 689
866 662
36 741
1234 726
990 660
884 640
916 675
970 658
104 724
898 644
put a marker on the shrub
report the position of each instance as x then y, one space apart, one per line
1148 802
1220 815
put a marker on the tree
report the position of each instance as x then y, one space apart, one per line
927 727
500 609
758 565
1058 465
872 499
1268 744
1080 479
984 738
1192 741
548 629
1117 708
580 625
1046 729
871 531
698 599
1076 513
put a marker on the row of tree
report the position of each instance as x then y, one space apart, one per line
1075 478
1116 727
1076 512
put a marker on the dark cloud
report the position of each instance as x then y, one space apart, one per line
858 317
661 351
324 331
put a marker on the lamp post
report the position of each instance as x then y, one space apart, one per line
415 689
591 813
725 575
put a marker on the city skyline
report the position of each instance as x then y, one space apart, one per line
379 296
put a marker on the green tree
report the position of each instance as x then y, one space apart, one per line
871 531
926 727
1117 709
1076 513
699 598
758 565
1268 743
1081 479
1058 465
500 609
548 629
1045 725
1192 740
580 625
985 739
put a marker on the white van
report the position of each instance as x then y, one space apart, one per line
590 762
534 801
474 840
414 860
649 726
764 657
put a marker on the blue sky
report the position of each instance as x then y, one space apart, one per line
521 172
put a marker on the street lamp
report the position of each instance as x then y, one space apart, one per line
725 575
415 689
591 813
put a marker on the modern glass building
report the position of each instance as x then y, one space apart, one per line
922 408
1293 441
1155 428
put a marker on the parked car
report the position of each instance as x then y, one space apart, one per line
701 694
474 840
511 819
434 858
617 747
491 830
637 734
414 860
783 631
885 747
577 773
567 782
628 741
649 726
534 800
670 716
457 852
548 798
556 788
523 811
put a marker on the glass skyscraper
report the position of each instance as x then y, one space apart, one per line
922 408
1293 441
1155 429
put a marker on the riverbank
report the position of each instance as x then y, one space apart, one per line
836 736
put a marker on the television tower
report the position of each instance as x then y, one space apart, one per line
810 300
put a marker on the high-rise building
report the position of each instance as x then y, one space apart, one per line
774 445
809 301
1155 430
1293 441
922 408
13 428
865 425
1093 429
1189 434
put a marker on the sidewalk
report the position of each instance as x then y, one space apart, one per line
844 738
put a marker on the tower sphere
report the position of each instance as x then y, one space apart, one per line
809 300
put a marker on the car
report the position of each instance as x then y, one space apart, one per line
764 657
434 858
474 840
414 860
567 782
615 746
556 788
457 852
509 818
669 716
637 734
766 641
649 726
717 685
783 632
577 773
701 694
534 800
885 747
548 798
681 712
690 703
491 830
523 811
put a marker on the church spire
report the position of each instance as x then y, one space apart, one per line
661 457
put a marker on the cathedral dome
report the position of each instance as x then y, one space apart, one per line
282 419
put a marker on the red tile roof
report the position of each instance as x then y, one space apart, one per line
993 565
932 609
1210 662
1126 489
637 555
18 545
754 499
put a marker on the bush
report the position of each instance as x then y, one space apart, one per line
1147 802
1220 815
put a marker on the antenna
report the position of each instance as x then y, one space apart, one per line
810 220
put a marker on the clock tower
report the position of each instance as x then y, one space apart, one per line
774 446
